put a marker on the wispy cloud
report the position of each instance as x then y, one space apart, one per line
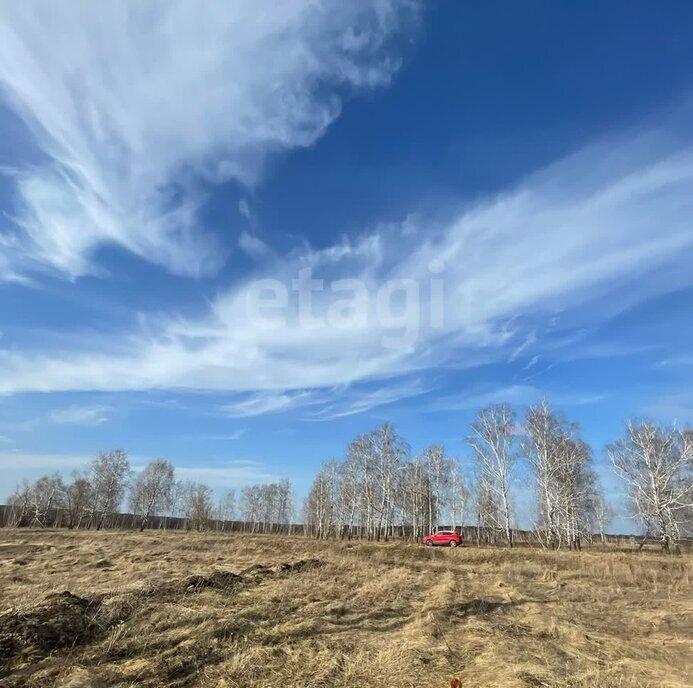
220 437
676 362
325 404
267 402
359 400
615 219
80 415
135 107
517 395
253 245
531 363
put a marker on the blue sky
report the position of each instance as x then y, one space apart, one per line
527 167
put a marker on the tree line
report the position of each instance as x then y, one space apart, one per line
93 499
379 490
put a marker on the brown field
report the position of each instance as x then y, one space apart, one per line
165 609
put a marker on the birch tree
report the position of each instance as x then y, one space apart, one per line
285 503
459 494
151 492
417 499
226 507
390 452
488 510
657 466
437 466
319 507
199 506
109 474
78 496
20 502
47 493
602 512
493 439
349 494
561 464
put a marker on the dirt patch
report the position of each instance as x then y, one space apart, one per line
63 620
298 566
226 580
259 571
219 580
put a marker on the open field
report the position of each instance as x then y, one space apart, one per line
205 609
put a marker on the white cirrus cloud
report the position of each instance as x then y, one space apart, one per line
360 399
586 238
253 245
80 415
516 395
134 106
261 403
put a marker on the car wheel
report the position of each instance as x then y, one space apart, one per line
428 543
453 543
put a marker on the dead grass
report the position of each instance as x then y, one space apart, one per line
189 609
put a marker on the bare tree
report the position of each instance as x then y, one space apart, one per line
459 494
20 503
199 506
377 491
416 497
151 492
389 452
602 512
78 496
267 506
47 493
488 510
493 439
226 507
561 464
350 492
109 475
285 504
319 510
437 467
178 505
657 467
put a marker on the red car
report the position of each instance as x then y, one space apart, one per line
443 537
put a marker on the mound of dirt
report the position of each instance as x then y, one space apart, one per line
62 620
298 566
220 580
227 581
257 572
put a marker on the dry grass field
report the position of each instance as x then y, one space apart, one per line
191 609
